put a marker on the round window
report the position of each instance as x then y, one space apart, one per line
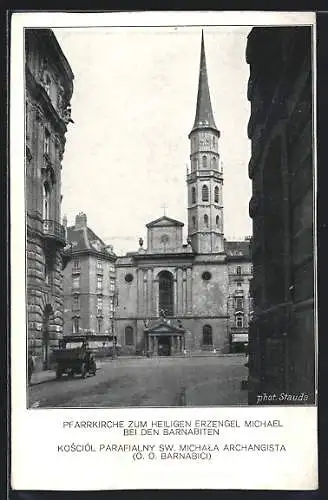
206 275
128 278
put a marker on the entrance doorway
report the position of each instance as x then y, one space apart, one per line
164 346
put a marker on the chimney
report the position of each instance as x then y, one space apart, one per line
80 221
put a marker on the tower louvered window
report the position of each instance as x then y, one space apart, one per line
205 195
193 195
216 194
206 220
204 161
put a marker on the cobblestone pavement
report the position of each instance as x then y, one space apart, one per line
198 381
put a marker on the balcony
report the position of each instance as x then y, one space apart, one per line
52 230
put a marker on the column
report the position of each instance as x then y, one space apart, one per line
179 284
140 293
156 345
150 292
184 290
144 291
172 350
189 290
175 297
155 297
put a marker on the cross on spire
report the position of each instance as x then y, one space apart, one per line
164 207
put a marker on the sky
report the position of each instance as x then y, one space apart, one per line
133 106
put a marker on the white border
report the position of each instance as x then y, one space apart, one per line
36 433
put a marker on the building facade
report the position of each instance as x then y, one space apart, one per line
239 302
49 88
173 296
282 333
89 282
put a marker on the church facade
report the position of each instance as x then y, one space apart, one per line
175 296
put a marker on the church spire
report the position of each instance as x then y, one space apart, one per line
204 114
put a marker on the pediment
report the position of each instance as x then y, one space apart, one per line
164 222
165 328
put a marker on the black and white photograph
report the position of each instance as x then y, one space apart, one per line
169 216
163 189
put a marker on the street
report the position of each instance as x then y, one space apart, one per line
160 381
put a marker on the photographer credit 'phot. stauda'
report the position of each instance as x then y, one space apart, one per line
169 215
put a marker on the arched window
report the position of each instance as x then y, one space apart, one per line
165 283
217 220
129 340
205 193
216 194
194 222
206 220
207 335
193 195
213 162
239 270
45 201
214 142
204 161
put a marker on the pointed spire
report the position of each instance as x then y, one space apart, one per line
204 114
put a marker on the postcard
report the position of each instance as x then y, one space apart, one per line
163 293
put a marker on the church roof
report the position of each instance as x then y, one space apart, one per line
238 249
164 221
204 115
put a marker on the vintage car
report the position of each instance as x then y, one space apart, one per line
74 355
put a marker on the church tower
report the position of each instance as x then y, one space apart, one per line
205 176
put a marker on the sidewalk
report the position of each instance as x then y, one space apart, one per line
42 376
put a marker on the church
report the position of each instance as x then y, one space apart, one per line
176 297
